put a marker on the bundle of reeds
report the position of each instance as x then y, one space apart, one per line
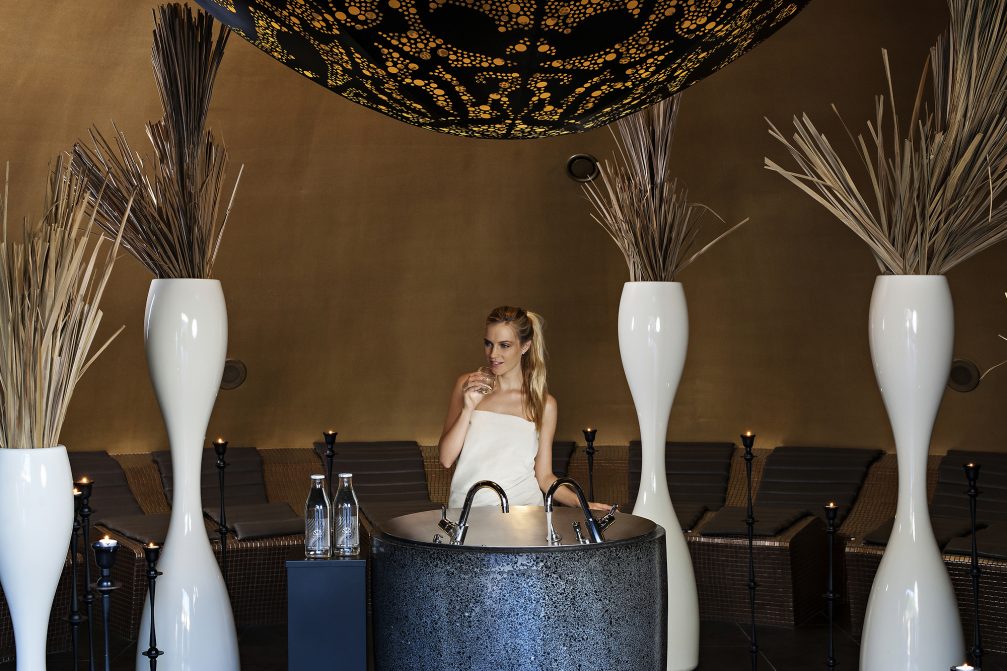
50 285
934 196
175 225
641 205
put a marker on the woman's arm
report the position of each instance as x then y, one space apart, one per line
543 460
456 425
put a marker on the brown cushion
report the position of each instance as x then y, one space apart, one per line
730 521
143 528
990 542
110 494
697 474
944 530
259 520
387 471
243 479
806 478
951 498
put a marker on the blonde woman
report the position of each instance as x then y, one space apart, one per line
500 427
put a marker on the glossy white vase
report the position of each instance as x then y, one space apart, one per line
36 519
912 617
185 329
653 338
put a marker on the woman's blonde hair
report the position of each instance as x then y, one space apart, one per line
529 328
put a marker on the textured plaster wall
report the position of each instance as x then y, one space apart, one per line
363 254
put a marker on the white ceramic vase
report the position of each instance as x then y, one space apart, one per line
653 338
36 518
912 617
185 329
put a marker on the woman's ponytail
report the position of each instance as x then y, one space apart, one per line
529 327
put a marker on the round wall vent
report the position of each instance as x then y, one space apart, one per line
582 167
235 373
964 375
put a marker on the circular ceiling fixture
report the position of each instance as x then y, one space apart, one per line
505 68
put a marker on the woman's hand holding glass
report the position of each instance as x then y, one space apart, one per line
477 385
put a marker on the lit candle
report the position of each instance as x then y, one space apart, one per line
964 667
84 480
219 441
107 542
76 492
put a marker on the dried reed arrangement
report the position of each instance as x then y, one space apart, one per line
174 227
935 197
641 205
50 287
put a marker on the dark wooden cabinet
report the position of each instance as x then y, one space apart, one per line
326 613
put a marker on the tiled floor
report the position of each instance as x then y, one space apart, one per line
723 647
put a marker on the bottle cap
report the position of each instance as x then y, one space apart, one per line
346 475
317 476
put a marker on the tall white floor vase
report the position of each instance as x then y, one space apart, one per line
185 329
912 616
36 518
653 338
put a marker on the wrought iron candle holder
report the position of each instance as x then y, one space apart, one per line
220 448
152 552
589 436
748 440
330 454
972 474
75 617
104 556
84 486
830 595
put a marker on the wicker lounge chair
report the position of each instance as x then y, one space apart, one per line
949 510
790 486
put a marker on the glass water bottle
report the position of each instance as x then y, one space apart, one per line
345 518
317 541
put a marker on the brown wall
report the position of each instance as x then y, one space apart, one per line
363 254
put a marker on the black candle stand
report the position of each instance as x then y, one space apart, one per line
104 557
748 440
330 454
589 436
220 448
75 617
972 475
152 553
84 486
830 595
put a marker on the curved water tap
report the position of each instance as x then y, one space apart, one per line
457 530
593 529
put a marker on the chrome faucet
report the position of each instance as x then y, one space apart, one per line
594 527
456 530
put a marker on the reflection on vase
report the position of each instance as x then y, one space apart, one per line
185 329
912 617
653 338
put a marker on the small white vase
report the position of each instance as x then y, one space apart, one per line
653 338
912 617
185 329
36 519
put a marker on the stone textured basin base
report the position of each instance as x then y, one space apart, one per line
588 607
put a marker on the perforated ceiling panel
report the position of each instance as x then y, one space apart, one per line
505 68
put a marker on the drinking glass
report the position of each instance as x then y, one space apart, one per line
489 380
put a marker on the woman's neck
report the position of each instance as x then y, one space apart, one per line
513 380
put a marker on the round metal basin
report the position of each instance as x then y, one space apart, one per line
508 600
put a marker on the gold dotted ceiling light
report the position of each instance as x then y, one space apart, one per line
505 68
